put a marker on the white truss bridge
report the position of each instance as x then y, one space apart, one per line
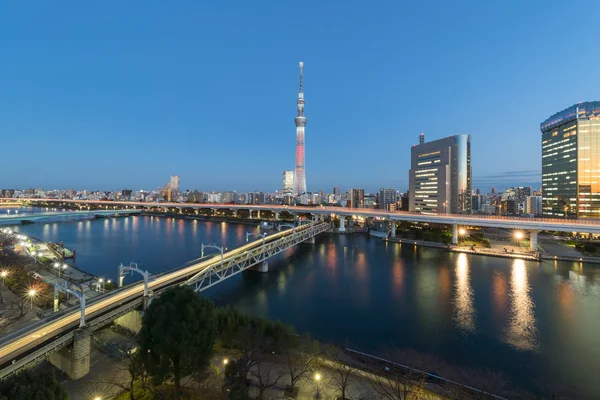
235 264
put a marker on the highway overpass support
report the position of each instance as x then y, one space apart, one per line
74 360
132 321
533 240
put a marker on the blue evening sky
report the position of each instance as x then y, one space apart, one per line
122 94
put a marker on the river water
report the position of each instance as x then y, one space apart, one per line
535 322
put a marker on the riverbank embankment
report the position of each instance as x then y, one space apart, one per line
492 252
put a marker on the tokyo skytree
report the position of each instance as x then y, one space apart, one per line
300 120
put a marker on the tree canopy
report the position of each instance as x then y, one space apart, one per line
32 386
177 335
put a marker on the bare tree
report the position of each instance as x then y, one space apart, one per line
132 367
300 362
397 386
267 375
340 379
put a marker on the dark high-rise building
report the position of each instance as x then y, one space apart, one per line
440 176
570 162
357 198
476 202
336 190
387 197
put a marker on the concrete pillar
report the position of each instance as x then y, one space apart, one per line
258 214
80 353
392 229
342 224
276 216
533 240
454 234
249 214
132 321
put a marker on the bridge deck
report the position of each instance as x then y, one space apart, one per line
551 224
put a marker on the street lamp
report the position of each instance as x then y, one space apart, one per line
317 379
519 235
57 266
462 231
31 293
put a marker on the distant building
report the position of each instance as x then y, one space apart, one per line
387 197
8 193
476 202
336 191
404 202
533 205
509 206
126 193
256 198
570 159
288 183
370 201
440 176
228 197
357 198
174 183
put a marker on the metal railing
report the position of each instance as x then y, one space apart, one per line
37 356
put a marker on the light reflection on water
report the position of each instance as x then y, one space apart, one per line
521 331
463 299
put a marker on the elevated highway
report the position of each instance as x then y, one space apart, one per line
550 224
18 218
32 344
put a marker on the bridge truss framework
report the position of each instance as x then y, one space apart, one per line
236 264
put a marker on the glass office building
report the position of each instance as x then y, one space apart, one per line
571 162
440 175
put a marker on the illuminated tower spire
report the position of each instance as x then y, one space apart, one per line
300 120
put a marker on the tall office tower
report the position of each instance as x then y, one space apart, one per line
288 183
300 120
174 183
570 162
357 198
336 190
387 197
440 176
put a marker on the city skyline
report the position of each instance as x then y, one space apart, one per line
90 106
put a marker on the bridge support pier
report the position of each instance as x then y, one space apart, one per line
276 216
75 361
258 214
533 240
261 267
454 234
250 214
392 229
342 224
132 321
